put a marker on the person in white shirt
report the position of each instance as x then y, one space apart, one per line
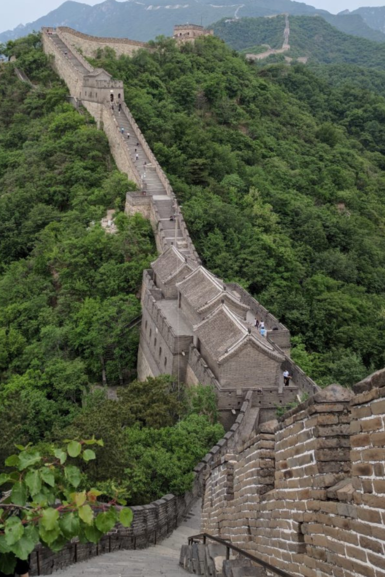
286 378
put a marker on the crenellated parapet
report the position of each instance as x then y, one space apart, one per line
306 493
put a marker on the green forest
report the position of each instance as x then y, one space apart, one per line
310 36
280 172
281 176
69 295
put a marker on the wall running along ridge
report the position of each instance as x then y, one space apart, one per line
89 45
306 493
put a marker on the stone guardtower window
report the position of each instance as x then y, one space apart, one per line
160 352
165 362
179 299
111 96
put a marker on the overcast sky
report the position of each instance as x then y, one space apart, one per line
14 12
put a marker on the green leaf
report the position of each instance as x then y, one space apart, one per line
49 519
7 563
58 544
14 530
92 534
106 521
89 455
4 547
61 455
72 474
48 476
74 448
33 482
125 517
69 525
49 536
86 514
19 493
24 547
93 494
79 498
4 478
28 459
12 461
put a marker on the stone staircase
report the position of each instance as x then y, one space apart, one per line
152 184
210 560
62 47
157 561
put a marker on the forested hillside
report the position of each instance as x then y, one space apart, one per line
310 36
146 20
282 185
69 291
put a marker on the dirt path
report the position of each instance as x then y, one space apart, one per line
285 45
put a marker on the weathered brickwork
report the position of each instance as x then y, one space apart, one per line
309 491
89 45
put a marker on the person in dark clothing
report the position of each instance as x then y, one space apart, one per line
21 569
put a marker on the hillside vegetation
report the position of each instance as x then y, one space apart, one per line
69 291
282 186
310 36
146 20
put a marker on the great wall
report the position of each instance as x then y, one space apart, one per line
305 494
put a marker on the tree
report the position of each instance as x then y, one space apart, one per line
48 503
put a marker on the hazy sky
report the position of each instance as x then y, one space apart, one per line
14 12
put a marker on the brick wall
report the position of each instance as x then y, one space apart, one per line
90 44
307 494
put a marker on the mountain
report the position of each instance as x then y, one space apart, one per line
373 17
142 20
310 38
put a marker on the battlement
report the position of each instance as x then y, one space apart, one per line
307 493
189 32
89 45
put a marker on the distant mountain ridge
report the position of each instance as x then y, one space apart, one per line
142 20
374 17
311 39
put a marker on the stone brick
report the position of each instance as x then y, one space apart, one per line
372 424
362 469
360 440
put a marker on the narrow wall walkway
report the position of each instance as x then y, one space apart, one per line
159 561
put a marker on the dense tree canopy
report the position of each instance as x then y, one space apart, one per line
280 174
69 301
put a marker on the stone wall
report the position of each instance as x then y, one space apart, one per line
63 66
90 44
152 522
307 494
280 336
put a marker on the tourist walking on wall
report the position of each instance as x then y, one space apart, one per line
286 378
136 157
256 324
122 130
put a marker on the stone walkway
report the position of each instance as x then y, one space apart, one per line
159 561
